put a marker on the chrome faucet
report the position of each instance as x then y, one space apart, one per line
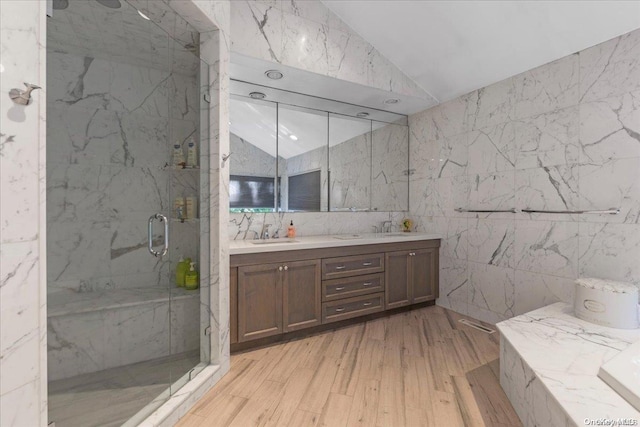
386 226
264 233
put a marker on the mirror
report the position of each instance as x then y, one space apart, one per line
389 167
350 163
252 138
299 153
302 159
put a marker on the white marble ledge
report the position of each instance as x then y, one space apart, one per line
66 302
565 354
238 247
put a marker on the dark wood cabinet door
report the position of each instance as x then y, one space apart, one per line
233 305
301 295
424 270
259 301
396 279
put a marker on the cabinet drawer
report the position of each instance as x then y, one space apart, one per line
352 286
352 307
333 268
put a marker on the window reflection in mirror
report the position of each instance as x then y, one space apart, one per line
252 185
302 159
349 163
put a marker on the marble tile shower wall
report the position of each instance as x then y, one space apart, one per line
563 136
23 330
109 131
309 36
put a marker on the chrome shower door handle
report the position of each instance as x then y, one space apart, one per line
165 247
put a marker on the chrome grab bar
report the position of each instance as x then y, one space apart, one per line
165 247
512 210
612 211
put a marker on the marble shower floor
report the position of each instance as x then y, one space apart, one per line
112 396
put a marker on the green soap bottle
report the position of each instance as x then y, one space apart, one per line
181 271
192 279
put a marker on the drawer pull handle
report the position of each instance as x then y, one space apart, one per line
340 267
341 288
367 304
367 264
367 284
338 310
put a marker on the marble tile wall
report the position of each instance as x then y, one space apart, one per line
307 35
563 136
109 131
23 364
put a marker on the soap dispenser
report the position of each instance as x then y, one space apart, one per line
192 279
291 231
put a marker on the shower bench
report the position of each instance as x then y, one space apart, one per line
93 331
549 363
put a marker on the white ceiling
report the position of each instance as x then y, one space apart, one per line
454 47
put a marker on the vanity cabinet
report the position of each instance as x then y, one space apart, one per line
277 297
277 292
411 277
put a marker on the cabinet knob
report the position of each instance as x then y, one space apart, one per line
412 254
280 268
286 267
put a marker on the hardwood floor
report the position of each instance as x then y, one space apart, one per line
419 368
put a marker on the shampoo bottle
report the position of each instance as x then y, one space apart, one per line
192 154
192 207
291 231
181 271
178 207
178 155
192 279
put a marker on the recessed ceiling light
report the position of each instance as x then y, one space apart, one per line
295 138
144 16
257 95
392 101
274 74
362 115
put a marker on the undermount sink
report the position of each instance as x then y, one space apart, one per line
272 242
348 237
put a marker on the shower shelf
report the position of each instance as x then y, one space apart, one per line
180 168
185 221
67 302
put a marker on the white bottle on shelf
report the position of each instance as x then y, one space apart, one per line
192 207
178 155
192 154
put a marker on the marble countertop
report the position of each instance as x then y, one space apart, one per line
565 353
237 247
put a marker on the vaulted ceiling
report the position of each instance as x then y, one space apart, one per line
454 47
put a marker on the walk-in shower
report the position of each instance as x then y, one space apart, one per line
123 93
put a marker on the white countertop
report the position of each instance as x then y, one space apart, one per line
565 353
238 247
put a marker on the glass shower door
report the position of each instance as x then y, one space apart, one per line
122 335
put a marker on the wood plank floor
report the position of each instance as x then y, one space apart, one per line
419 368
